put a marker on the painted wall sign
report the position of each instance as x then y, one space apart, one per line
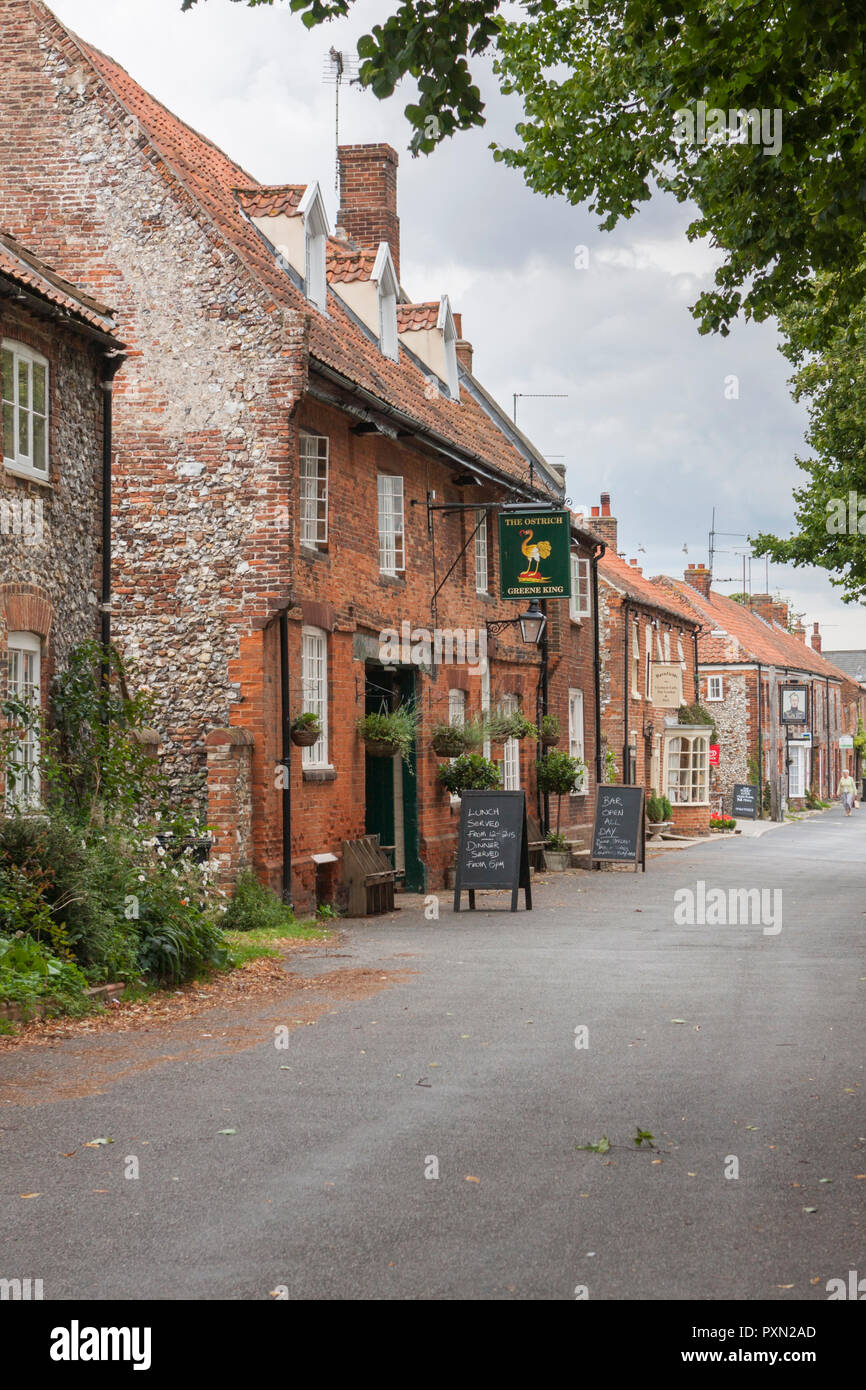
667 684
795 704
534 554
715 750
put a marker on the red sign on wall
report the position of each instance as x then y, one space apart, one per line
714 754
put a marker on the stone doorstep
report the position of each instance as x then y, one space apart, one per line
21 1013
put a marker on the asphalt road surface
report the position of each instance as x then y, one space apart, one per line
450 1046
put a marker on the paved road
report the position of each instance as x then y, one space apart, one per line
323 1189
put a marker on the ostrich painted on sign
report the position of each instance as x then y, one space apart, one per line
535 552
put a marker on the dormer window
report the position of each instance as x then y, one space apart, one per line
312 209
385 278
449 341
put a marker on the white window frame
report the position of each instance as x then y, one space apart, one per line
576 737
681 651
20 646
312 209
667 646
510 761
448 329
22 461
391 513
635 661
314 691
482 558
313 488
387 290
485 706
456 707
692 779
715 684
648 659
580 602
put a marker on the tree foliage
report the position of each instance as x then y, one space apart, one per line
602 83
830 508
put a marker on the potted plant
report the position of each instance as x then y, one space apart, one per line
306 729
448 740
469 772
722 823
659 814
557 851
504 726
557 775
390 732
550 730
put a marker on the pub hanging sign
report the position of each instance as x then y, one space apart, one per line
534 554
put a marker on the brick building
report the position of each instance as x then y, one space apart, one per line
648 646
59 354
304 460
755 665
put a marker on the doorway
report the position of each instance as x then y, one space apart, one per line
798 780
391 785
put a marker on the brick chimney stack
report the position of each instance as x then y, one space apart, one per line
762 604
464 348
816 638
368 196
603 523
699 577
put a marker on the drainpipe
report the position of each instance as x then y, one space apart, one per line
626 654
697 669
760 739
286 757
599 771
827 715
543 803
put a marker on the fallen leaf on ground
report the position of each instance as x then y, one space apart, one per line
25 1195
679 1020
469 1178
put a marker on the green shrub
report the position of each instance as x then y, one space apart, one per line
29 972
255 907
469 772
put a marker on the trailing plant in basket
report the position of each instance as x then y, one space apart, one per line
469 772
504 726
398 727
306 722
449 740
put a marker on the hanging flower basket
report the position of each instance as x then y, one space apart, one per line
550 731
306 730
448 740
381 748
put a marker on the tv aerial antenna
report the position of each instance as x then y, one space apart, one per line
339 67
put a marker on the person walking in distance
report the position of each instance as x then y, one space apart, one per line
847 790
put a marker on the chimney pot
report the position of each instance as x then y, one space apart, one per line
605 523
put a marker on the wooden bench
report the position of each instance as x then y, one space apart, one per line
536 843
369 877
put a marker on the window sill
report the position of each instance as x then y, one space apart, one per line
397 580
18 471
313 552
320 774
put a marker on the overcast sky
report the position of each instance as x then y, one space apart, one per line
646 416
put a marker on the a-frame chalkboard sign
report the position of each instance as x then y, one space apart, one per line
619 831
492 846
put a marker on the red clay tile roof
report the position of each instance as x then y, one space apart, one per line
345 261
21 266
271 201
735 634
336 341
630 581
414 316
